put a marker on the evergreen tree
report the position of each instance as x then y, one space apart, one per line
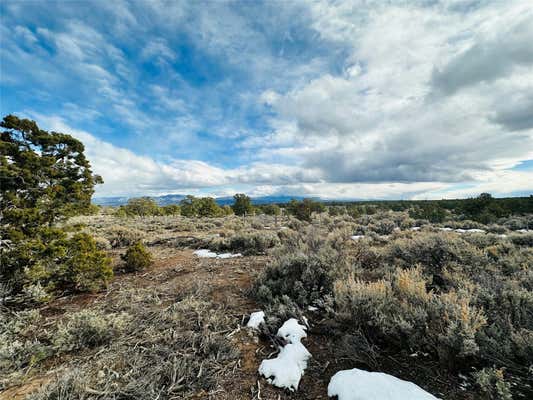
45 178
242 204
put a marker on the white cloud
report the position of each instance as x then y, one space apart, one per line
380 121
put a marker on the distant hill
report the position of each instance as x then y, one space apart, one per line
176 198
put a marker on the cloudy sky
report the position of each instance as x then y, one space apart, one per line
337 99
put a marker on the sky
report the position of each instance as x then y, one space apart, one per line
359 99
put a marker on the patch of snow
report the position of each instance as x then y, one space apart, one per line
503 235
256 318
292 331
415 228
357 237
460 230
356 384
205 253
312 308
475 231
229 255
524 230
286 370
446 229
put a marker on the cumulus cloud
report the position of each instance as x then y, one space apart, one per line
380 117
125 172
500 46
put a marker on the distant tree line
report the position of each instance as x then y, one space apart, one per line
484 208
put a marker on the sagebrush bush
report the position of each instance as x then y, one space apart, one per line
433 251
121 236
492 384
87 329
303 269
248 243
522 239
406 313
137 258
20 345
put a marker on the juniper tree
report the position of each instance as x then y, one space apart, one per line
44 178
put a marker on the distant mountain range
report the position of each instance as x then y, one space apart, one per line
176 198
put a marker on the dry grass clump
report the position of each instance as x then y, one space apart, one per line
150 352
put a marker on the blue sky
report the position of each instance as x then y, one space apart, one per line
343 99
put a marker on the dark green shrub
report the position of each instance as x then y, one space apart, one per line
137 258
74 264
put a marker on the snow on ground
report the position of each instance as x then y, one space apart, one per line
470 231
292 331
357 237
356 384
445 229
256 318
286 370
205 253
415 228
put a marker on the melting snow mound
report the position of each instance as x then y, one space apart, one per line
356 384
292 331
256 318
205 253
286 370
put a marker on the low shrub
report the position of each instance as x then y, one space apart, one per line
404 313
492 384
20 347
87 329
137 258
121 236
304 270
433 251
77 266
253 242
522 239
